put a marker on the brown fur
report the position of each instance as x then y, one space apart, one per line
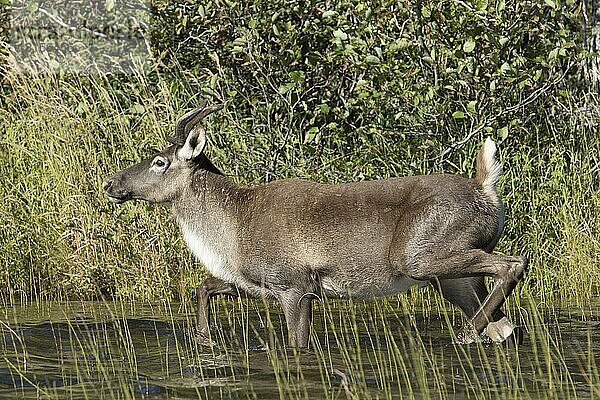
296 240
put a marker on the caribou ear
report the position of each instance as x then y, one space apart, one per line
194 144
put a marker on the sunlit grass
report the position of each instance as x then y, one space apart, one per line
61 240
383 349
62 135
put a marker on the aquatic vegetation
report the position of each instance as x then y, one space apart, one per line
361 350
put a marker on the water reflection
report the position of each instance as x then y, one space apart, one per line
87 353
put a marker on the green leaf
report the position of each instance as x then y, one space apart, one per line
340 34
469 45
283 89
32 6
109 5
402 43
481 5
500 6
311 134
297 76
324 108
458 115
372 59
330 13
213 81
471 106
550 3
239 41
137 109
502 133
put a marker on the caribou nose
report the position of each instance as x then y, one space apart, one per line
107 185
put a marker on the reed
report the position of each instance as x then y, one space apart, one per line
362 350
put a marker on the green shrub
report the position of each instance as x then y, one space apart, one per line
328 91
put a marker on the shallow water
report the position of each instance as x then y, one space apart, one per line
111 350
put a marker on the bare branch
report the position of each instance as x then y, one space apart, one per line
60 22
528 100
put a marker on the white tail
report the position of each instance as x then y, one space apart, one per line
489 169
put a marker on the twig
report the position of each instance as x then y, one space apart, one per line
60 22
530 99
345 383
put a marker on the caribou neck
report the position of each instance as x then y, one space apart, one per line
210 196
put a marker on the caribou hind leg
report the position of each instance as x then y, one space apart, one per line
504 284
469 294
506 270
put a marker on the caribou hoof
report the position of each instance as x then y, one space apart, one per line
515 338
467 335
503 331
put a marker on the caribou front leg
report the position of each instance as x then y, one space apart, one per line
209 288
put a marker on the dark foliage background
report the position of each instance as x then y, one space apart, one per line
336 77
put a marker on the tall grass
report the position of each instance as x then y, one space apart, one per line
62 137
118 350
63 134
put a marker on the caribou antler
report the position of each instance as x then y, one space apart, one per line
189 120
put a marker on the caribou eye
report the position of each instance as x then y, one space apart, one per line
160 163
